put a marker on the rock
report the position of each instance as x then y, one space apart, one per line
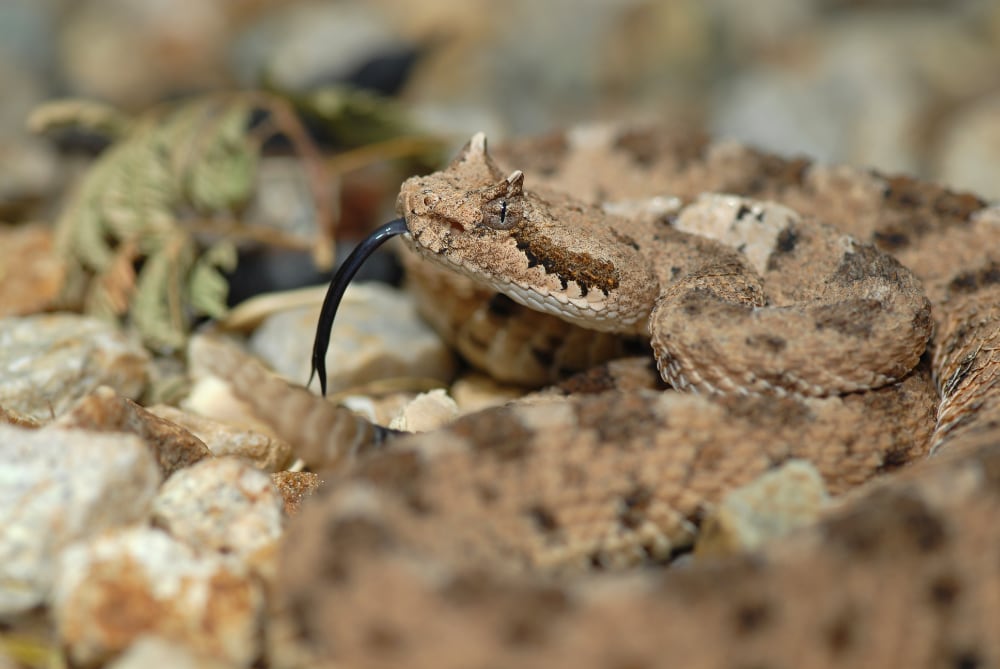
123 585
147 49
31 274
154 651
265 452
221 504
14 418
378 334
58 486
910 68
211 393
970 151
313 42
48 362
377 407
173 446
427 411
774 504
294 487
475 391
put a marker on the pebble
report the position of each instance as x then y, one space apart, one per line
147 48
31 274
49 361
221 504
475 391
378 335
14 418
212 396
103 410
310 42
970 152
264 451
294 488
58 486
427 411
155 651
123 585
771 506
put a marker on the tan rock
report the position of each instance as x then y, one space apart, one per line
124 585
31 273
104 411
19 419
154 651
266 452
475 391
294 487
212 396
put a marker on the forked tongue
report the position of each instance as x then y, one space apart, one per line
336 290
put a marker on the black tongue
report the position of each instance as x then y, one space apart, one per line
336 290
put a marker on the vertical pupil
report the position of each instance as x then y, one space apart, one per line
503 211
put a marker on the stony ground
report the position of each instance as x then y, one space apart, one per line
142 508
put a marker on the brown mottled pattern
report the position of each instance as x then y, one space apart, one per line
323 435
447 554
708 304
590 273
508 341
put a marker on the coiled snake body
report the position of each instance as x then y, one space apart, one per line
503 539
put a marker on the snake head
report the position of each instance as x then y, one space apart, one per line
470 194
551 253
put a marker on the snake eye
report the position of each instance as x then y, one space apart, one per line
501 213
503 210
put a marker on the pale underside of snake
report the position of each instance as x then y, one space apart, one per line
512 537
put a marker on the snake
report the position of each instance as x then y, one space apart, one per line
792 310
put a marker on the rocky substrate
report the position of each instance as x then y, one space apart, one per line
138 536
135 535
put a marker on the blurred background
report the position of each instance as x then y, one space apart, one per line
905 85
387 88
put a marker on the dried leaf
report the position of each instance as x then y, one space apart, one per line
223 174
207 288
138 195
355 117
79 114
111 290
157 309
133 209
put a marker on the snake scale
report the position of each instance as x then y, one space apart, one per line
535 534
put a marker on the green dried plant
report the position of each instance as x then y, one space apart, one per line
149 231
131 231
88 115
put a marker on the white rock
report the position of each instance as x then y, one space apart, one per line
221 504
428 411
154 651
59 486
770 506
377 335
49 361
475 391
970 148
129 583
